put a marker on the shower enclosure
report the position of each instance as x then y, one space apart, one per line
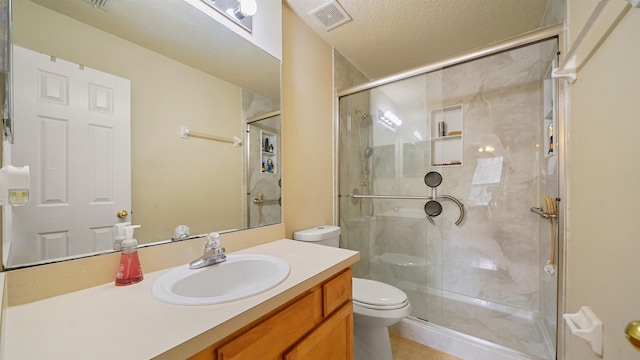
262 170
485 262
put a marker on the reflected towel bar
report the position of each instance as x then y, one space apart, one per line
185 133
409 197
266 202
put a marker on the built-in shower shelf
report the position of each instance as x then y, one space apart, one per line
269 144
447 136
549 122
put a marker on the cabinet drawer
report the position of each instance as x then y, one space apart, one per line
270 338
336 291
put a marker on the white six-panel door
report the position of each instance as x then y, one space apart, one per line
72 127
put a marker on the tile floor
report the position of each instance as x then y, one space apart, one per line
405 349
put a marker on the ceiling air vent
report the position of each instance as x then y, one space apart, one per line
331 15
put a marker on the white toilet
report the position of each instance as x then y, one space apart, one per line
376 305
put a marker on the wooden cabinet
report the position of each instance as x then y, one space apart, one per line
331 340
275 335
316 325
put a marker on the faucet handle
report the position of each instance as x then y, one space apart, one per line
180 233
213 240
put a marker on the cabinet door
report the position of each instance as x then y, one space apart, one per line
333 339
270 338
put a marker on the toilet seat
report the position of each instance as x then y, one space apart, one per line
377 295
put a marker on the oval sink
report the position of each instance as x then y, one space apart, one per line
241 276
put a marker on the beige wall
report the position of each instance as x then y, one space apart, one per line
165 95
603 188
307 115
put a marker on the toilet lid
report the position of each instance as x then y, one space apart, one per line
377 295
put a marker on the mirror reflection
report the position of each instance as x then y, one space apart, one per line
99 99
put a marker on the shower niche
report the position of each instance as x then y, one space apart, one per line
268 153
549 121
446 136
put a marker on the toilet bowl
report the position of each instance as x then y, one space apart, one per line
376 305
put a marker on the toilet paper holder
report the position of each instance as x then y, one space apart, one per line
587 325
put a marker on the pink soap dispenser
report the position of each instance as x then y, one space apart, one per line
129 271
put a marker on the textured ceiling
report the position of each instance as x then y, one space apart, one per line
390 36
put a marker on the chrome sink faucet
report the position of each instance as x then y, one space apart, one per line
212 253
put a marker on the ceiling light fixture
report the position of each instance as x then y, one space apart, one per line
239 11
389 119
100 4
246 8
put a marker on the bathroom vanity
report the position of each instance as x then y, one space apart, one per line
316 325
310 312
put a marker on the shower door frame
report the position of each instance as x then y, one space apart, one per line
552 32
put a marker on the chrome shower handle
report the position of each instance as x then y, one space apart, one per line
460 205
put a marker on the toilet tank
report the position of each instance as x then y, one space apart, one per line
323 235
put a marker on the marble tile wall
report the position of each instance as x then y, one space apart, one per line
494 254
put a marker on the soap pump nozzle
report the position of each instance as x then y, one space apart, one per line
128 233
119 235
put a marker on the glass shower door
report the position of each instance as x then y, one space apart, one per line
384 156
488 127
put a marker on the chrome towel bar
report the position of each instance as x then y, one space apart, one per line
266 201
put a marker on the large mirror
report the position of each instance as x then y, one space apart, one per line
101 98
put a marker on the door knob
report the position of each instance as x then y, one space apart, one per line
122 214
633 333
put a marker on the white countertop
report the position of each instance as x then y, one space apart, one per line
109 322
